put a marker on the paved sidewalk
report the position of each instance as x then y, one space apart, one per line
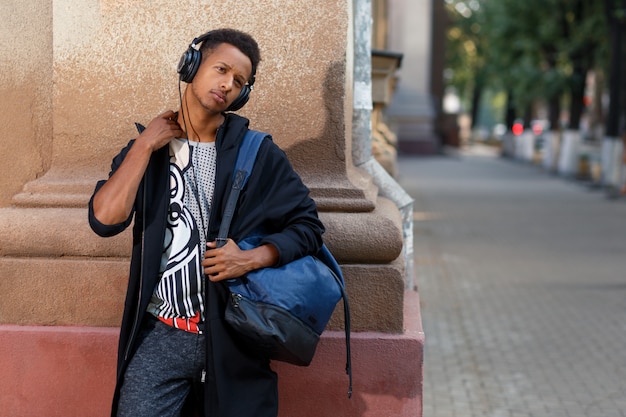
522 278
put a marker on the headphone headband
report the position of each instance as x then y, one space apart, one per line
200 39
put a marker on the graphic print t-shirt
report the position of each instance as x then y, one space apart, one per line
178 298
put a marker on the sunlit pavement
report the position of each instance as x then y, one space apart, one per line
522 279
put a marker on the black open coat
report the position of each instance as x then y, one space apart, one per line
238 383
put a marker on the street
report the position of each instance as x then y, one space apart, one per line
522 281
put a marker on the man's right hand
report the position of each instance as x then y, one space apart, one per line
161 130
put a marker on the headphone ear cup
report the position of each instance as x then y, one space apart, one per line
189 64
241 100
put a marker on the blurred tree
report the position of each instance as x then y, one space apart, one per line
584 41
465 55
616 16
536 50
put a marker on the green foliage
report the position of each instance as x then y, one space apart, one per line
537 49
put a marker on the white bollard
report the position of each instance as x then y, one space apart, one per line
568 157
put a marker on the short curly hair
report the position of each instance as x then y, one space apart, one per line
241 40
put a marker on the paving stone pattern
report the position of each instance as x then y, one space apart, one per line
522 280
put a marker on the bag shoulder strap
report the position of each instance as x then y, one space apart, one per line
243 167
246 157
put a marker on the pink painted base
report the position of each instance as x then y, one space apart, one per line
57 371
70 371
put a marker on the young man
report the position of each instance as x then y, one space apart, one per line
173 179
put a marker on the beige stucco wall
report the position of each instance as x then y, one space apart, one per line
25 93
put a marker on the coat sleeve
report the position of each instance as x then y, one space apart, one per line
289 214
106 230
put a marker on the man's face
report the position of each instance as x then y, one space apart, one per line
222 74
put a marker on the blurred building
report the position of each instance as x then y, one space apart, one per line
414 28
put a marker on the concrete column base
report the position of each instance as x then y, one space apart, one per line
68 269
70 371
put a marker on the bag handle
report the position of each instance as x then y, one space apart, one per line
243 167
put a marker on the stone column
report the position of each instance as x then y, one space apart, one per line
26 93
110 69
77 76
412 112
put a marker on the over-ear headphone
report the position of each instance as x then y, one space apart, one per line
190 62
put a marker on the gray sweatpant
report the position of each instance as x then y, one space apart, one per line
167 365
